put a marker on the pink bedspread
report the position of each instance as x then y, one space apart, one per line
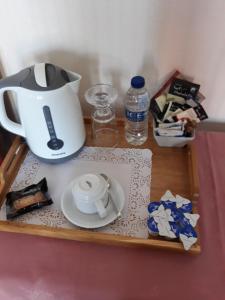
49 269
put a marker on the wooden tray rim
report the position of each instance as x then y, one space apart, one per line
9 170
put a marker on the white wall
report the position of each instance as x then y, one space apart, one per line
112 40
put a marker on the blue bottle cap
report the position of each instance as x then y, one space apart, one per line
138 82
153 206
152 226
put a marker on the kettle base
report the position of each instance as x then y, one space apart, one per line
59 160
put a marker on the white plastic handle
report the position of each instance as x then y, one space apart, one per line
8 124
40 74
100 208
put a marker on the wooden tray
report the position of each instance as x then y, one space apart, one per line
173 168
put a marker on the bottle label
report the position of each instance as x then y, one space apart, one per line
143 101
136 116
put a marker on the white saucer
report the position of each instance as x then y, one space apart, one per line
80 219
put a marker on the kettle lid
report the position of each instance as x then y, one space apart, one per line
39 77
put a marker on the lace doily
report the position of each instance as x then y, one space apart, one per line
131 167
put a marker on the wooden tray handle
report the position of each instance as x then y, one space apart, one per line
10 166
193 172
2 180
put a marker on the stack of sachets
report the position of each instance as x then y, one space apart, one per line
177 112
172 217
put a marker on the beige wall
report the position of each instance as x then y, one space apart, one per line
112 40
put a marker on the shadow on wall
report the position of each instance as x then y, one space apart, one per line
2 72
8 98
6 137
150 72
115 78
88 67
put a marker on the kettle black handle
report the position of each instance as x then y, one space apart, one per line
8 124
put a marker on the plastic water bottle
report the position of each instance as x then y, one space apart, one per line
136 112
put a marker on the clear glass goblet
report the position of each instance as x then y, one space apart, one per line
104 127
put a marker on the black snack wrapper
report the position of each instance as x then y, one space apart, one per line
184 88
28 199
157 113
200 112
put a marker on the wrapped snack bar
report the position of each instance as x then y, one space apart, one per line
28 199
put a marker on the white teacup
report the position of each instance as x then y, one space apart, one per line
90 193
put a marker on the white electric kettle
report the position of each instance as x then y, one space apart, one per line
49 111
